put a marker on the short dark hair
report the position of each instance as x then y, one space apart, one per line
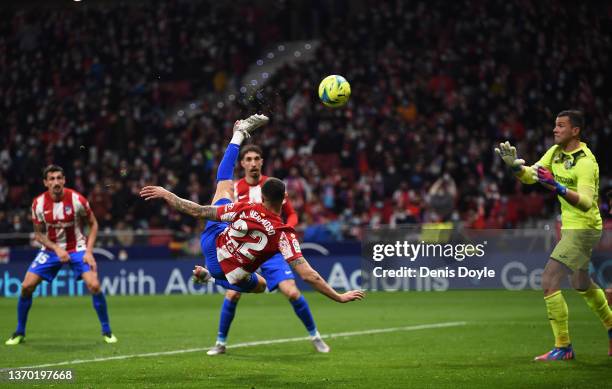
273 190
52 169
250 148
576 118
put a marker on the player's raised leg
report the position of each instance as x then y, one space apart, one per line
99 303
28 286
225 171
556 308
224 193
225 190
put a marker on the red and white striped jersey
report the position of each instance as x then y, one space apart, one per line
63 219
244 193
254 235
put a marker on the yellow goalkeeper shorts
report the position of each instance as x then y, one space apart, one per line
575 248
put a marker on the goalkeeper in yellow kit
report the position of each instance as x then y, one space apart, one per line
570 169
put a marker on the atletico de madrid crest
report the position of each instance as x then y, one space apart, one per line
68 210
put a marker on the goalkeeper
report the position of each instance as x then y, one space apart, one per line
569 168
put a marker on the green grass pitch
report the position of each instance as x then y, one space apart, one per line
503 332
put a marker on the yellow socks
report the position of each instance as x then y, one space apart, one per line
596 300
558 312
558 316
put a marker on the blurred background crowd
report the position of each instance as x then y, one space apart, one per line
95 89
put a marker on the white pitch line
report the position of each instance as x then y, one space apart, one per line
247 344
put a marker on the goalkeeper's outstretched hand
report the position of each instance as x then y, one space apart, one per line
507 152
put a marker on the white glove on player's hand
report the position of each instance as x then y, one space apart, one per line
251 123
507 152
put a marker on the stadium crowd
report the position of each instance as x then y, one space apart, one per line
434 90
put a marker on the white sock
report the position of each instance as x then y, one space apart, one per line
237 138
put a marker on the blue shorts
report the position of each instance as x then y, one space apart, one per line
208 243
47 264
275 270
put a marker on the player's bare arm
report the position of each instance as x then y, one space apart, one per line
310 275
41 237
89 258
185 206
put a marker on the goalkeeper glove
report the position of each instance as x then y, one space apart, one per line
507 152
546 178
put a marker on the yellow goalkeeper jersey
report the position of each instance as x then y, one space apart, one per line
578 171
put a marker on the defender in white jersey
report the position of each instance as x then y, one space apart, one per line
59 215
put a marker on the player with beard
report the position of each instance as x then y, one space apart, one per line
276 271
59 215
240 237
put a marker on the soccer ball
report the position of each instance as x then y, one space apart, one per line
334 91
